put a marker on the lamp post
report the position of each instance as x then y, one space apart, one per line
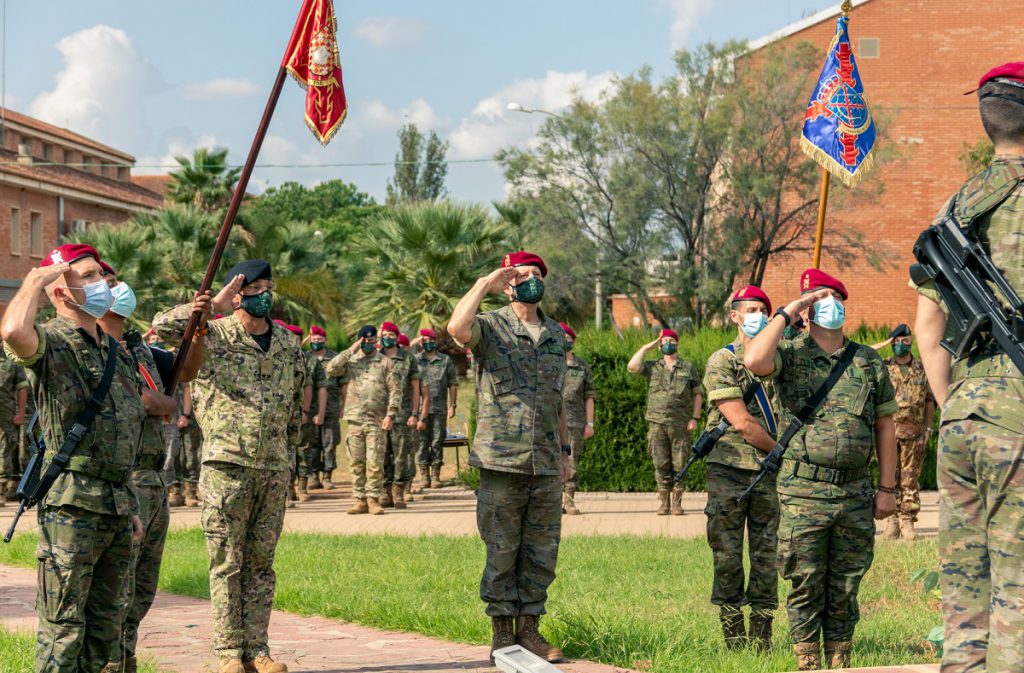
598 287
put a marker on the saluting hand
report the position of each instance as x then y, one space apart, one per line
498 279
805 301
222 302
44 275
654 344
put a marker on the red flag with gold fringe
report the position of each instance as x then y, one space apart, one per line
312 59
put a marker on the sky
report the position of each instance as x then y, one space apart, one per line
159 78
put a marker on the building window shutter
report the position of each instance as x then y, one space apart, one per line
869 47
36 234
16 231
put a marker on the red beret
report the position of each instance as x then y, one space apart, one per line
107 269
403 340
389 327
317 330
281 323
218 316
429 333
568 330
295 329
752 293
70 252
669 333
815 279
1008 71
524 259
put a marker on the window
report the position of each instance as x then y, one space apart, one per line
36 234
79 226
15 231
869 47
86 164
69 156
122 174
47 152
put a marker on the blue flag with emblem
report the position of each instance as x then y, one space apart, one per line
839 132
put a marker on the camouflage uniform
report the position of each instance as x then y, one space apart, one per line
981 451
827 527
189 457
912 395
85 530
12 379
245 401
517 448
669 409
438 373
372 394
401 439
579 387
309 450
732 466
330 431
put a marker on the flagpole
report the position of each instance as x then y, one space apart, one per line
822 206
229 221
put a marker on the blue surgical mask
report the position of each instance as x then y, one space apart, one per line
829 313
98 299
124 300
753 323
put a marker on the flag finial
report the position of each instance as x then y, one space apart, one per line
847 6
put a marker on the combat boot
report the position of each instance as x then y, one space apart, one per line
435 476
663 496
907 530
733 630
191 494
408 491
3 493
264 664
760 633
231 665
569 503
528 636
677 501
373 505
174 496
326 481
892 528
808 656
129 665
398 496
502 634
360 507
302 492
385 496
313 482
837 654
423 473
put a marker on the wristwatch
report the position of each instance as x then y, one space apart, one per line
891 490
567 449
785 316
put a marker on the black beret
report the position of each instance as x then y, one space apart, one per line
901 330
367 331
252 269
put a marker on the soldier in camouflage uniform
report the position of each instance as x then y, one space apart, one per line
371 403
580 396
90 516
439 375
314 401
913 428
14 391
732 466
414 432
674 400
248 386
399 442
827 501
330 430
521 446
981 436
188 459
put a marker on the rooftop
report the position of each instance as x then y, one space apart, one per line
16 118
802 24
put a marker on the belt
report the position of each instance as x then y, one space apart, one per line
117 474
152 461
829 475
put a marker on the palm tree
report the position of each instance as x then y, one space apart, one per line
205 181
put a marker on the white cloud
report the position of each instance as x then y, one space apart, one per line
165 163
217 89
375 114
391 32
685 14
102 89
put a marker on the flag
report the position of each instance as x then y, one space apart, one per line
312 59
839 132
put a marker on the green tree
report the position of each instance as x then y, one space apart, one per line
420 168
331 199
204 180
978 156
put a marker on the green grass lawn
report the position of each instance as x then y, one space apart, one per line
17 650
634 602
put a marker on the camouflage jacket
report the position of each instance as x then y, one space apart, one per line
406 371
912 395
727 379
245 400
12 379
579 387
518 394
150 461
841 433
986 383
438 374
670 391
64 372
372 390
316 379
334 383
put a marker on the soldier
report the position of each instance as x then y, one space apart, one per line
249 376
674 390
146 476
330 429
187 439
14 391
416 432
981 435
826 531
913 428
90 517
372 398
399 441
579 397
731 467
307 454
521 446
439 374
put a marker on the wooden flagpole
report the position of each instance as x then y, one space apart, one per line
822 207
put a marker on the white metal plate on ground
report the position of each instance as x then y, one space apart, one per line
516 659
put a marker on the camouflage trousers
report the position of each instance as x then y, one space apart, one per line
400 442
84 564
190 454
669 446
140 590
910 460
576 442
432 440
758 517
13 452
825 548
309 451
330 435
243 511
519 517
365 444
981 544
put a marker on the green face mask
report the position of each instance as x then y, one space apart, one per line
901 349
368 347
389 343
530 291
669 348
429 346
568 346
258 305
316 346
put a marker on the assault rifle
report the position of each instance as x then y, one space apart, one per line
28 492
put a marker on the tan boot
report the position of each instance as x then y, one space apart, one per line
435 476
231 665
502 633
385 496
191 494
313 482
569 503
808 656
528 636
3 493
837 654
760 633
677 501
360 507
264 664
907 530
373 505
326 481
398 496
408 491
892 528
302 492
129 665
424 479
663 507
733 630
174 496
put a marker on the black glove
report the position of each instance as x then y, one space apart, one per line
901 330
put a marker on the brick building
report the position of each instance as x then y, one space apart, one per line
54 182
